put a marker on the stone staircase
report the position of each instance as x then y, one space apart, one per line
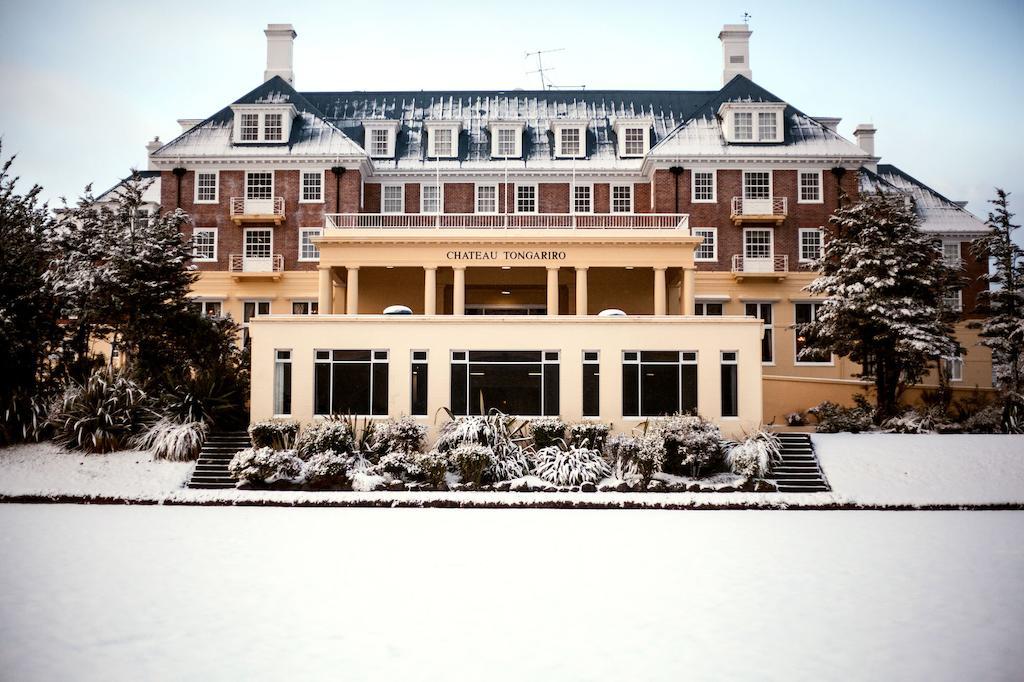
212 468
798 471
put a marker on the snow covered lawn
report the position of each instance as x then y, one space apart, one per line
175 593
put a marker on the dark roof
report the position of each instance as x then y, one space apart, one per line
936 212
143 174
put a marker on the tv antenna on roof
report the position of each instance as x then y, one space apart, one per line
541 70
746 18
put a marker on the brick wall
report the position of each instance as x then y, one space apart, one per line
974 270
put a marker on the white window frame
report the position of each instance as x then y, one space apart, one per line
280 359
287 112
390 127
476 197
611 197
273 183
800 187
814 316
714 244
250 230
623 133
956 261
307 230
771 241
279 125
953 367
736 126
302 187
536 196
215 244
800 242
700 307
958 304
759 171
589 186
439 199
714 186
560 129
310 302
769 327
729 111
518 129
383 201
203 303
433 127
216 187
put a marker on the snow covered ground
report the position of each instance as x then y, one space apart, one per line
175 593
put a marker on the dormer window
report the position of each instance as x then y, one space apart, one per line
634 137
262 123
507 139
752 121
570 139
443 139
380 138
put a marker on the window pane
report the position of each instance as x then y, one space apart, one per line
504 356
757 185
730 390
659 356
419 389
630 390
351 355
689 390
282 387
512 389
380 388
551 396
591 390
459 398
351 388
322 388
659 389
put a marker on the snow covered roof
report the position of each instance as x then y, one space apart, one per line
937 213
150 195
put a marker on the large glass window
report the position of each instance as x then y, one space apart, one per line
658 383
591 383
635 142
430 199
507 142
250 127
486 198
810 187
730 384
526 198
380 142
419 383
569 142
763 311
519 382
282 382
767 126
810 244
805 313
743 125
583 199
206 187
704 186
272 127
622 198
259 185
312 186
708 249
393 199
351 382
204 244
308 251
757 185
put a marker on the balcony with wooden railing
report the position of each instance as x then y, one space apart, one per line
257 210
508 221
773 210
248 267
772 267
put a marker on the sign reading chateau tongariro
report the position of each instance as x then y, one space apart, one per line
505 255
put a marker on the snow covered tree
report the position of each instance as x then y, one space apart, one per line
1002 304
883 282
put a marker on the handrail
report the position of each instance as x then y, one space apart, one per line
240 206
509 221
778 263
779 206
239 263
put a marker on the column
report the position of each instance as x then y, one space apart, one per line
352 291
429 290
459 294
660 307
552 290
687 290
581 291
325 300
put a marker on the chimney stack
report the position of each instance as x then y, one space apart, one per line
830 122
280 38
865 134
151 147
188 124
735 51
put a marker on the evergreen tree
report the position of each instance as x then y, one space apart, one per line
883 282
1002 304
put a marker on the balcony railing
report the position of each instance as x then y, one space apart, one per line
257 209
776 208
508 221
763 266
240 264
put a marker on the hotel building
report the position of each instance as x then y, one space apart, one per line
589 254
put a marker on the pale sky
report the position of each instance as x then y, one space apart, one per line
85 85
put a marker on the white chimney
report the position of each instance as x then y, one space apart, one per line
280 38
151 147
830 122
735 51
865 134
188 124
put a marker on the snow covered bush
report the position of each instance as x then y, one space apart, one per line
399 435
547 431
327 469
24 419
471 461
329 435
508 463
988 419
264 465
833 418
571 467
502 434
591 435
911 421
273 434
434 467
173 440
753 456
796 419
100 415
636 457
692 443
399 465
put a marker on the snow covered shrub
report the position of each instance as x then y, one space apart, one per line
547 431
497 431
325 436
833 418
101 414
273 434
327 469
591 435
636 457
753 456
471 461
399 465
24 419
691 444
988 419
571 467
910 421
434 466
172 440
399 435
796 419
264 465
508 463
